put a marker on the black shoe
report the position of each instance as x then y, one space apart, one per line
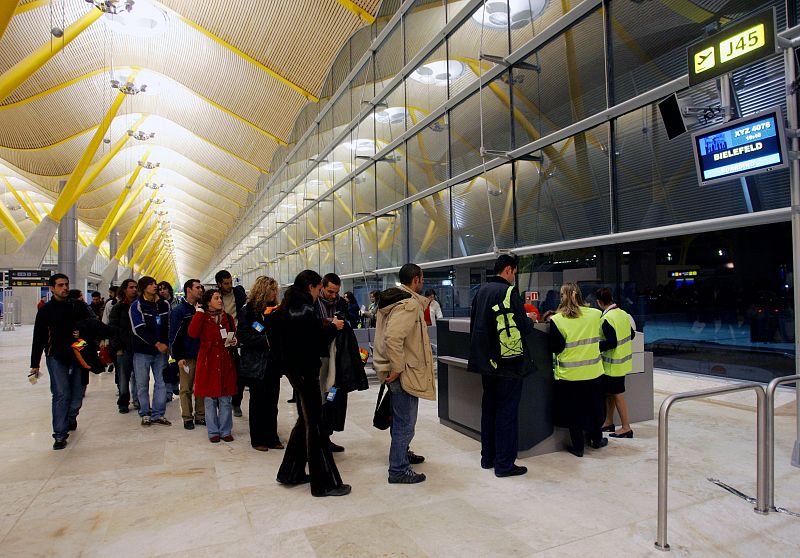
576 453
123 410
200 422
628 434
343 490
515 471
292 400
300 480
487 464
407 477
609 428
59 444
176 392
188 424
73 423
597 445
336 448
415 459
237 410
136 405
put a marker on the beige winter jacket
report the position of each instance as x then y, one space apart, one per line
402 343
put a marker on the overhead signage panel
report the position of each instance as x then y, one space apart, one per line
29 278
749 145
733 47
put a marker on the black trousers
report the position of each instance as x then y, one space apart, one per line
583 406
263 414
500 421
309 441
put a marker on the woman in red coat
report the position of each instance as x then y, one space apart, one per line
215 376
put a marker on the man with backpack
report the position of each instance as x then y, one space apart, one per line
497 351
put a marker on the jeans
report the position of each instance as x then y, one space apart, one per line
124 373
67 390
142 365
219 415
500 422
404 419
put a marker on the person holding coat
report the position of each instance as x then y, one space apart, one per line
575 331
256 367
302 339
215 373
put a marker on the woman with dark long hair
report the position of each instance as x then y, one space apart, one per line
257 368
215 374
303 338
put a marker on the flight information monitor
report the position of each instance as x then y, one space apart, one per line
749 145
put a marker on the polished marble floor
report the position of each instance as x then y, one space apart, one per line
122 490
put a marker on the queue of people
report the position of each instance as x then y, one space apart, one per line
224 340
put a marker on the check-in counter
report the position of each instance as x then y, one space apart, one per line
460 391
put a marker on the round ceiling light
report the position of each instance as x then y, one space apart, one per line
392 115
438 73
144 20
502 14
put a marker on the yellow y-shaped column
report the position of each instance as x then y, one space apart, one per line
144 244
11 224
6 13
112 266
25 68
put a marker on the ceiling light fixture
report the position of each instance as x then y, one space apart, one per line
504 14
112 7
141 136
153 185
149 165
128 88
438 73
159 201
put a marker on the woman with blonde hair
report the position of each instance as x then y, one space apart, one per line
257 368
575 340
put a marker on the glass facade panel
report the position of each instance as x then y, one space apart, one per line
343 251
365 247
343 206
427 157
430 228
472 224
567 85
426 86
464 49
389 59
421 22
364 193
665 190
390 174
391 239
566 195
466 123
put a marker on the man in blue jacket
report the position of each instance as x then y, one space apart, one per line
498 325
184 350
150 324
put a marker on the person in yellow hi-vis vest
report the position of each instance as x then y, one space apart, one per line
616 350
578 367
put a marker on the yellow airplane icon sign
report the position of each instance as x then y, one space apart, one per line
704 60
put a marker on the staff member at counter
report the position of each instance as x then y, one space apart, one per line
575 340
617 353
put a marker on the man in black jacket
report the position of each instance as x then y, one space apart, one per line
54 333
122 345
501 369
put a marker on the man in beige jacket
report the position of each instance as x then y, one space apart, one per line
402 358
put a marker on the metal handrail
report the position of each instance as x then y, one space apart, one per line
663 432
771 388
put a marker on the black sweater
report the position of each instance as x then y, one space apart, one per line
52 330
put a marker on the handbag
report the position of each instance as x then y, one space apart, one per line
105 355
383 409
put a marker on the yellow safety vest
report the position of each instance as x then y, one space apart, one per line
619 361
508 332
580 359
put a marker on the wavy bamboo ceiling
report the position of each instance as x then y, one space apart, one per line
226 82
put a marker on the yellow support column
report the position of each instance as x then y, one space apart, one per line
25 68
120 208
144 244
133 233
67 197
11 224
151 269
21 200
149 256
6 13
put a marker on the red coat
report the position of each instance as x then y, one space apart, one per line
215 375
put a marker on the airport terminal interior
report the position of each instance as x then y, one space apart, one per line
647 147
